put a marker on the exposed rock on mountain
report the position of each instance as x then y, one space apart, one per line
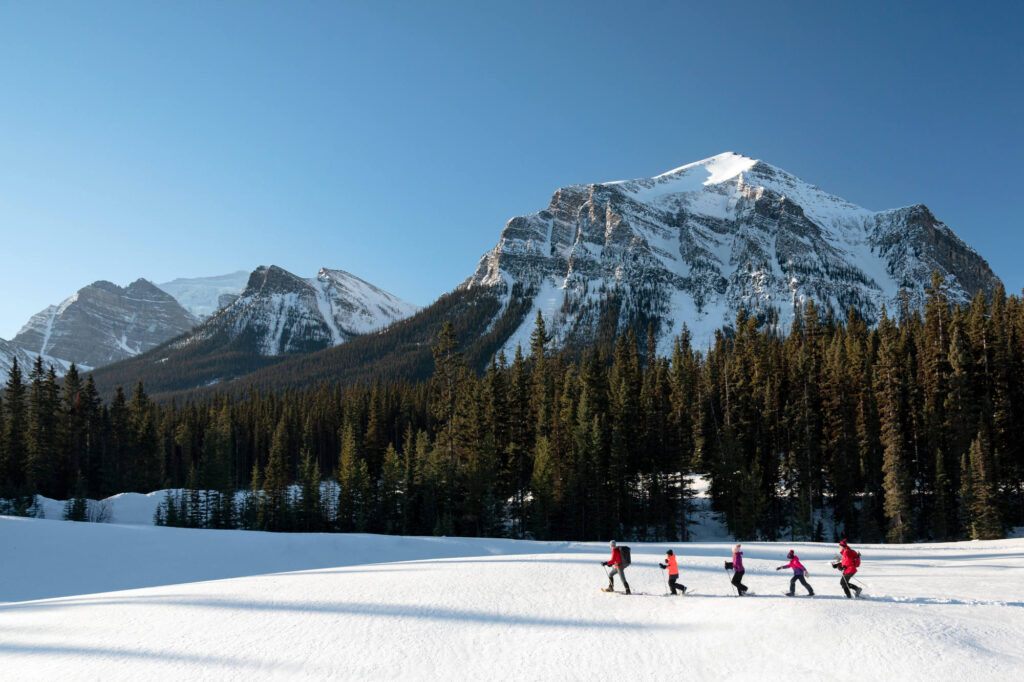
694 245
104 323
278 314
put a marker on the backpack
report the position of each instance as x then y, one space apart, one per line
856 559
624 553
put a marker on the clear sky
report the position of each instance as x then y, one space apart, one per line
394 139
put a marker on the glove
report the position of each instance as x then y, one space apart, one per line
780 568
604 563
662 566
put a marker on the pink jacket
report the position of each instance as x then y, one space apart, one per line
794 563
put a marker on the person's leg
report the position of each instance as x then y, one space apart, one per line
622 576
846 587
803 581
792 585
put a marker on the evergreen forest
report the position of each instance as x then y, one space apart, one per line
911 429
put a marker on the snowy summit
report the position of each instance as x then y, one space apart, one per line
696 244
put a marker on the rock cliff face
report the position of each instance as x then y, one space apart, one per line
696 244
280 313
104 323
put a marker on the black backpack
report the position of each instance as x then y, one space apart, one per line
624 553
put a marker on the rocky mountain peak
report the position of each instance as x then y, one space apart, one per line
103 323
695 244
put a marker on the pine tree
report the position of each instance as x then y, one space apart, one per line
891 405
275 507
310 508
984 514
13 466
77 506
542 484
391 490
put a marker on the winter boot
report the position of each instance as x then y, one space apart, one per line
627 590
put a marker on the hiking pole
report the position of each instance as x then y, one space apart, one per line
666 580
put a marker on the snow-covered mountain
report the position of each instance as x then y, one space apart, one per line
694 245
280 313
203 296
103 323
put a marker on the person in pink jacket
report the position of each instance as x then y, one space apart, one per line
736 565
799 571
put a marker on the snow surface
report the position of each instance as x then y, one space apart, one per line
379 607
201 295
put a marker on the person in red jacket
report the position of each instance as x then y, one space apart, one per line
616 563
849 561
673 572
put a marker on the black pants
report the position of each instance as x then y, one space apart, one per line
737 580
803 581
847 585
673 586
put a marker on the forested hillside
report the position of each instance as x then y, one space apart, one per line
908 430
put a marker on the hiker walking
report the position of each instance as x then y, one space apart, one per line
617 567
673 573
736 565
799 571
849 562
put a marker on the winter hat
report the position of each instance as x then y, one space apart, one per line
612 543
736 548
842 543
791 554
669 552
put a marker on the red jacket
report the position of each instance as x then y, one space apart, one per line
616 557
850 561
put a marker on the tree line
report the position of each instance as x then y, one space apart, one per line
908 430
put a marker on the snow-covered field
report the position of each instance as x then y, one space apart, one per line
102 601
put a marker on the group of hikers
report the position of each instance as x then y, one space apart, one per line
848 562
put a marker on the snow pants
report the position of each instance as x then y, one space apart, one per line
622 577
847 586
803 581
737 580
673 586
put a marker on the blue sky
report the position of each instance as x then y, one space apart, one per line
393 140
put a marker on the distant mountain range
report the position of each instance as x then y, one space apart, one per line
690 247
267 313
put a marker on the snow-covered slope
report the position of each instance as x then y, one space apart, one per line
203 296
697 243
103 323
376 607
280 313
